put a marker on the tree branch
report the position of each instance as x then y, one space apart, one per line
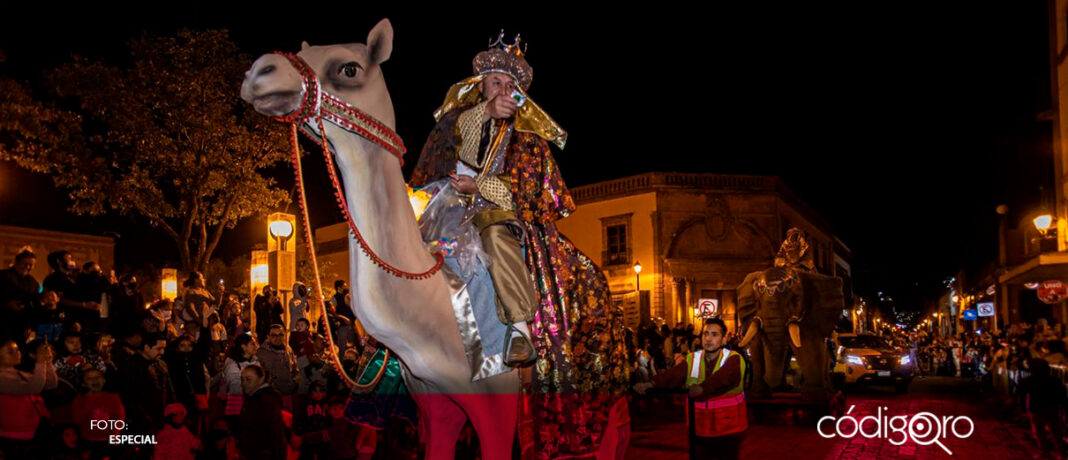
222 225
202 260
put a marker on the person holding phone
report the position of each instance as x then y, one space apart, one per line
476 145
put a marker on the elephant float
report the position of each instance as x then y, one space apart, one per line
789 307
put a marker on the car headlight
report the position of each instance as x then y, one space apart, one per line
906 360
855 360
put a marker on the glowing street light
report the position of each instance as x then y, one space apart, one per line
259 273
281 229
1043 223
169 284
637 276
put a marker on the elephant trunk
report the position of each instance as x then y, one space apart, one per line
751 333
795 334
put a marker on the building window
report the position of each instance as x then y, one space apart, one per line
617 244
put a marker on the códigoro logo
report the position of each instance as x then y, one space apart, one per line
923 428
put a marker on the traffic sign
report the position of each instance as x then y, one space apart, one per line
1052 291
707 308
985 308
968 315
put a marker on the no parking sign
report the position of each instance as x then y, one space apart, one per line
707 308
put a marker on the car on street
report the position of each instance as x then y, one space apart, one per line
869 359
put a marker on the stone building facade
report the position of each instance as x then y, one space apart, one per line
696 237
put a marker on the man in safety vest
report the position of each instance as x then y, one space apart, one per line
713 376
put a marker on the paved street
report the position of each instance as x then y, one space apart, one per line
661 434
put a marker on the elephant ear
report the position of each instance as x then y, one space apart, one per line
746 299
823 299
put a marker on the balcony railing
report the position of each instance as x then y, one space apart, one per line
650 181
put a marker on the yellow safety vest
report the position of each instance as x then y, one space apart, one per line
719 415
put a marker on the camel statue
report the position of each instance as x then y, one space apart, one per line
412 317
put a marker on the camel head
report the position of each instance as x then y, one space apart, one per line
351 72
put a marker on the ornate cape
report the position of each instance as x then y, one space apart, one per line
581 371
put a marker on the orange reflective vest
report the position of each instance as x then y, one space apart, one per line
719 415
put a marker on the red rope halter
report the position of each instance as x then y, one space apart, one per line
318 105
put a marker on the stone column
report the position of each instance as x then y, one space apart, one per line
680 299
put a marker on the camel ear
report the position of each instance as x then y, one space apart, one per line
304 46
380 42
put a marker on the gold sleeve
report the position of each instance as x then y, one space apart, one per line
470 127
496 189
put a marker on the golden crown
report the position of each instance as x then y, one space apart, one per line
505 58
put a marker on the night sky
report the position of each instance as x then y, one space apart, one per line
904 127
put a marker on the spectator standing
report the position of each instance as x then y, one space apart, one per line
93 285
298 305
342 434
187 364
196 297
64 282
20 397
127 307
340 300
277 359
268 311
18 295
262 433
145 386
1044 397
311 422
242 354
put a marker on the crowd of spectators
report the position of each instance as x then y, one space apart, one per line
209 375
1023 367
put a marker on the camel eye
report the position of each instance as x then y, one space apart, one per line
350 69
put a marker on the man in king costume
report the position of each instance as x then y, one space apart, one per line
492 142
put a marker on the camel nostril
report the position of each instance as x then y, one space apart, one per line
266 70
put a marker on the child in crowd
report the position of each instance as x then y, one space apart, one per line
70 445
49 318
95 404
219 442
72 360
341 432
175 441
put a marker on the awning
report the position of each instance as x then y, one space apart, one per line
1049 266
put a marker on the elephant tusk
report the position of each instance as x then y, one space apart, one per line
749 334
795 334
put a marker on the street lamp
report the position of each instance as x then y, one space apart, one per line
637 276
282 261
169 284
281 230
1043 223
259 272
